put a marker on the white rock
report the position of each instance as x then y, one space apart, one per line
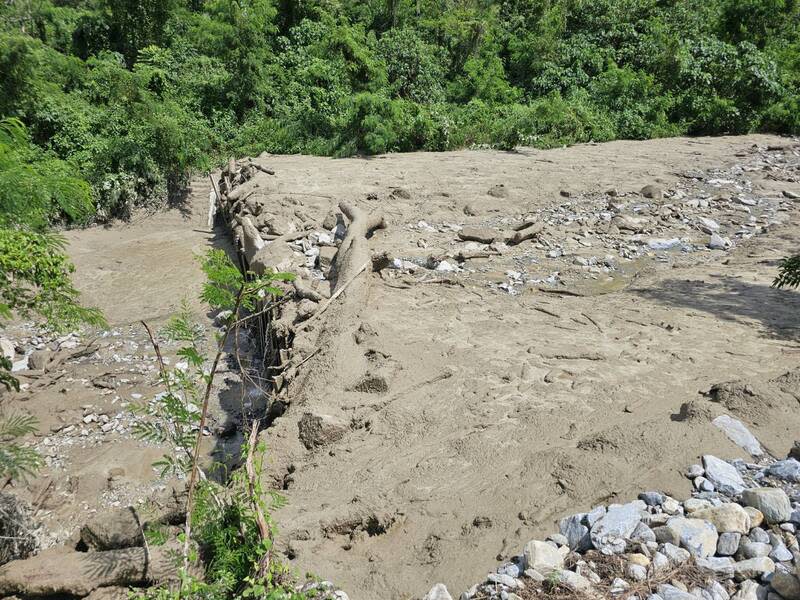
723 475
7 348
438 592
541 556
717 242
739 434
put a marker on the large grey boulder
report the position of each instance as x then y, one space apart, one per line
772 502
611 531
576 532
723 475
788 470
738 434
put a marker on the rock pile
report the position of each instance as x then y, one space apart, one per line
736 538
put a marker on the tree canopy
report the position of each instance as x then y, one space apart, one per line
134 95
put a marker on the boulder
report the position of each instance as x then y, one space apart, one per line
728 544
739 434
18 530
39 359
438 592
788 470
721 566
723 475
7 348
786 584
611 531
697 536
542 557
573 581
756 516
772 502
320 429
753 568
110 530
576 532
727 518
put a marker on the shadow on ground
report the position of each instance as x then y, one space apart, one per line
777 312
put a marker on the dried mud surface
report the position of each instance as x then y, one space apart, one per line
470 409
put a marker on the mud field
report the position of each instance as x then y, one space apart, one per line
532 335
479 343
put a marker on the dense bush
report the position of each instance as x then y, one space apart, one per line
134 95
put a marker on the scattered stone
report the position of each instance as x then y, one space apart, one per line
692 505
675 554
636 572
753 549
694 471
723 475
750 590
618 586
722 566
772 502
630 223
739 434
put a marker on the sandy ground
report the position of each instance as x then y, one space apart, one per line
141 270
477 408
477 414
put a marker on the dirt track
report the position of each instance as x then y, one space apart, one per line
476 417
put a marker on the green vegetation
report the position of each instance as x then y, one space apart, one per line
134 95
228 526
788 273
